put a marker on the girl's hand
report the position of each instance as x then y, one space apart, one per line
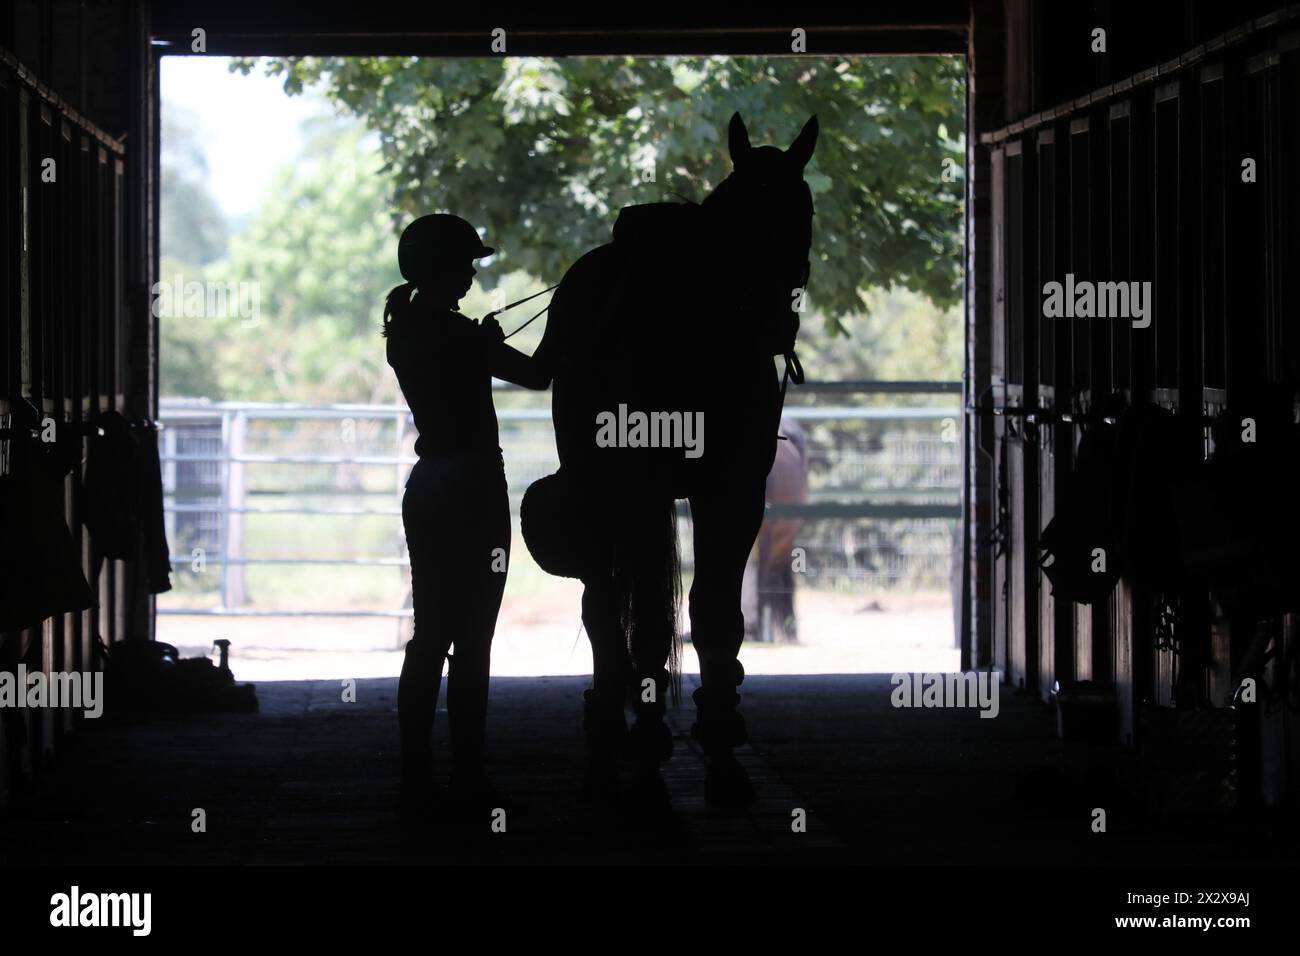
492 329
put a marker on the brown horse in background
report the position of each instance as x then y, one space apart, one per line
787 484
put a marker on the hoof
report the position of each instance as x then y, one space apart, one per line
607 742
600 784
650 740
605 725
648 800
471 791
727 785
420 805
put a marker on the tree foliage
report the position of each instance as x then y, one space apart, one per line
193 233
320 249
320 254
193 229
543 152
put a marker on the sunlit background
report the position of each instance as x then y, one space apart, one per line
286 442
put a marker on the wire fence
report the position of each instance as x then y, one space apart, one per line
295 510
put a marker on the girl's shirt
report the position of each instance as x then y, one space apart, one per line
443 363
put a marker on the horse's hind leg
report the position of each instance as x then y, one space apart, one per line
603 718
653 540
651 741
725 526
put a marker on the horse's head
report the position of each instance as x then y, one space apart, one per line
762 215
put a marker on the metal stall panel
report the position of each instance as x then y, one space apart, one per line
1122 268
1212 275
73 228
65 346
1166 158
1055 618
1096 392
1281 744
24 235
9 250
1141 358
107 311
1287 334
110 393
10 245
1249 221
34 136
1023 308
998 557
1193 628
1080 331
1164 332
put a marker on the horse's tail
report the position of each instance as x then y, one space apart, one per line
673 558
647 574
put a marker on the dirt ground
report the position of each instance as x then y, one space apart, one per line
541 635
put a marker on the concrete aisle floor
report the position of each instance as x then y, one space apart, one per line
312 779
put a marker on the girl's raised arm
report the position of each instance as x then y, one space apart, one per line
511 365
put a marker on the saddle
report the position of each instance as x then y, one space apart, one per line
657 228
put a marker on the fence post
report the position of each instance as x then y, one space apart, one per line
235 496
168 436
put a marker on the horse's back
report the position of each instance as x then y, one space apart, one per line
639 291
642 321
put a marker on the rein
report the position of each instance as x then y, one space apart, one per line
793 370
526 298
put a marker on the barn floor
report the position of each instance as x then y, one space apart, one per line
312 779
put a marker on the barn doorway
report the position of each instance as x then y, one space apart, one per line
287 442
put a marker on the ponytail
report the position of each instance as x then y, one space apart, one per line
397 305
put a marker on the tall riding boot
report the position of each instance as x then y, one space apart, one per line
467 691
417 702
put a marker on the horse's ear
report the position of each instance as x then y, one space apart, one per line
801 149
738 139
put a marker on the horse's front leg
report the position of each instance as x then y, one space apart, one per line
725 525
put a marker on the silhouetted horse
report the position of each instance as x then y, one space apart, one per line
678 319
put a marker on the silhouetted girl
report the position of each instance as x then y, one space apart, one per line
455 508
